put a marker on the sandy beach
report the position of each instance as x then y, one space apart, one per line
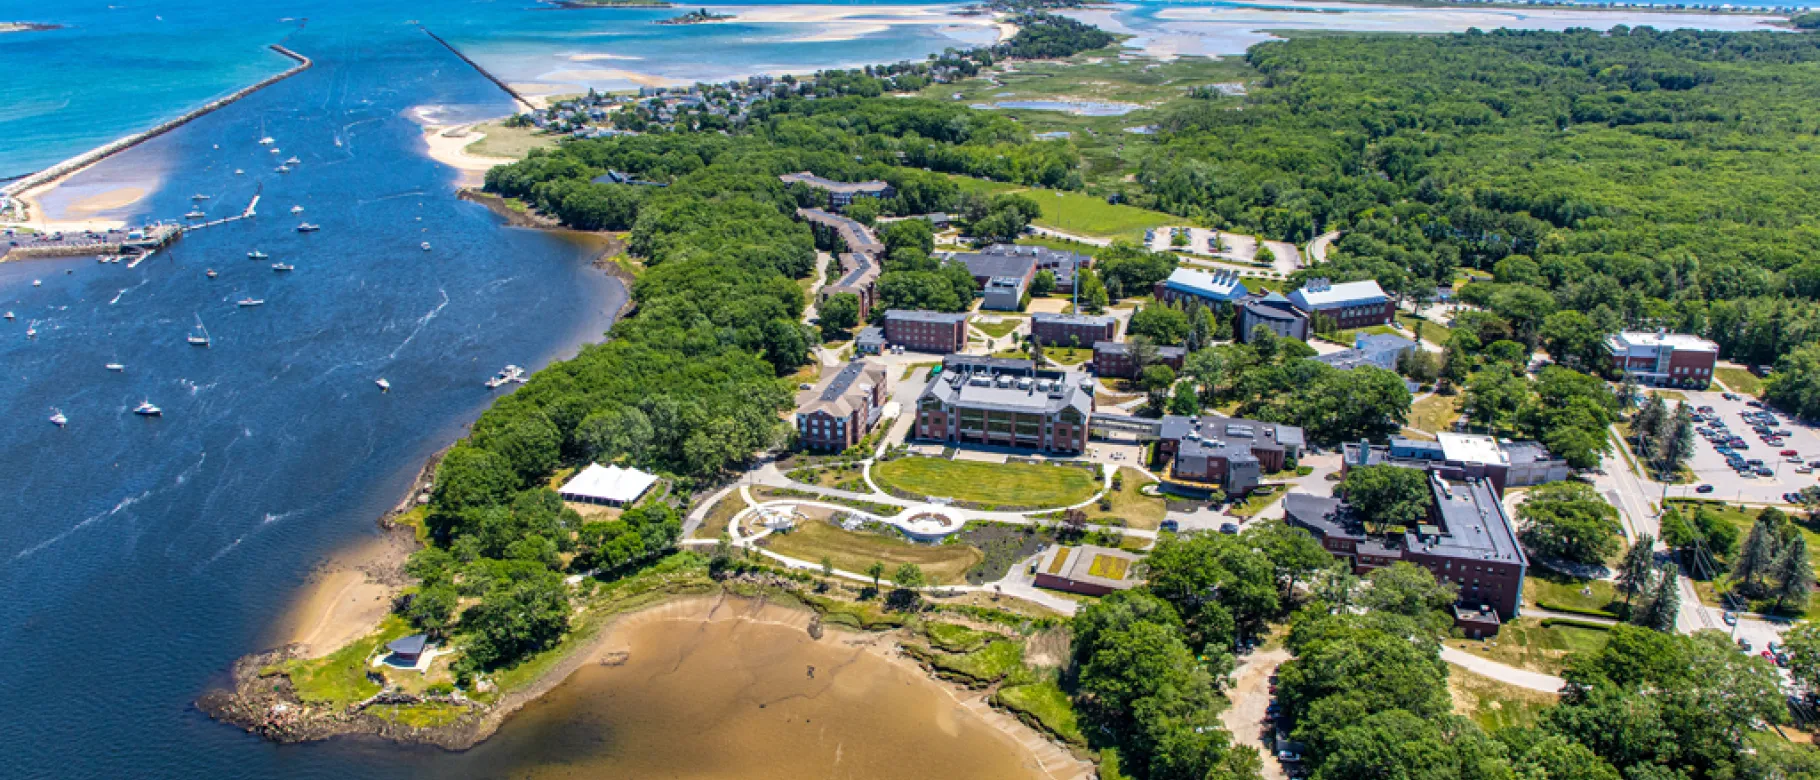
346 597
449 146
80 215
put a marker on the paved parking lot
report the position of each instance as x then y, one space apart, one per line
1710 467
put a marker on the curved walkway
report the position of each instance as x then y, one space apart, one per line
1509 675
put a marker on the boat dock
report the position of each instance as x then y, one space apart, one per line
120 241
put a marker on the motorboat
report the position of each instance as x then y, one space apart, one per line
200 337
58 419
211 273
275 150
250 301
284 169
256 255
199 196
116 366
296 209
9 316
282 267
37 282
266 141
425 245
308 227
238 172
510 373
293 161
195 215
31 333
384 386
146 409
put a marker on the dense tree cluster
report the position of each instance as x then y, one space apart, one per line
1272 380
1597 174
1569 521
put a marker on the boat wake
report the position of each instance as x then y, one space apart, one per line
86 522
422 322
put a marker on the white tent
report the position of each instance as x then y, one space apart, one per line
613 486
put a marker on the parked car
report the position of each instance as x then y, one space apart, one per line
1786 453
1744 644
1730 396
1703 489
1229 528
1731 618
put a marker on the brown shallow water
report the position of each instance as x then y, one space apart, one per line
726 692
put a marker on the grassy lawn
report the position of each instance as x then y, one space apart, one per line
1000 329
1004 484
423 715
1526 644
1431 330
340 678
1495 705
509 142
1559 590
853 551
1046 706
1740 380
910 368
1347 338
719 515
1068 356
1434 414
1013 354
1059 243
1263 497
956 639
1130 505
1082 214
981 667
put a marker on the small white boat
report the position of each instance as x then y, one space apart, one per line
308 228
274 150
384 386
250 301
199 196
238 172
282 267
146 409
284 169
200 337
510 373
257 255
293 161
37 282
296 209
266 141
31 333
211 273
116 366
9 316
195 215
425 245
58 419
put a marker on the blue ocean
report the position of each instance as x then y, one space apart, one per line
139 557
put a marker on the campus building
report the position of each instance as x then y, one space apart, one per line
1661 358
1349 305
1461 456
1116 359
841 233
1224 453
1273 311
1006 402
926 331
1073 330
1087 569
1381 350
1206 287
1064 265
859 277
1003 277
1467 540
840 193
843 407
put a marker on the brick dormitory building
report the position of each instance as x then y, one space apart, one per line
843 407
1072 330
1116 359
1466 539
926 331
1006 402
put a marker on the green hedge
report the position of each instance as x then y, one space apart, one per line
1586 624
1553 607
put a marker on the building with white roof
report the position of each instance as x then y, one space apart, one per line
1208 287
611 485
1662 358
1349 304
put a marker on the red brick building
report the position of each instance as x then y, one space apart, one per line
1663 359
926 331
1115 359
1072 330
843 407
